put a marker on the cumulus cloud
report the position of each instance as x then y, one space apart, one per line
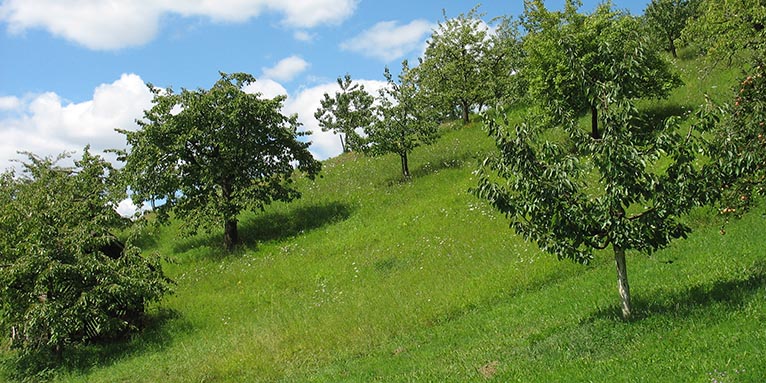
48 125
128 209
307 101
9 103
286 69
388 40
115 24
266 87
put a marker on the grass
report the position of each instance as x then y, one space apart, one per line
369 278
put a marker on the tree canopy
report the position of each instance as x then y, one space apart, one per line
210 154
349 110
65 279
725 28
465 64
570 57
405 121
668 19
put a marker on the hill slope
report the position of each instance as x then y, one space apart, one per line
368 278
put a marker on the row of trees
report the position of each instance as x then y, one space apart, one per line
208 154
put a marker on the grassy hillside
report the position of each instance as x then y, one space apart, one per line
368 278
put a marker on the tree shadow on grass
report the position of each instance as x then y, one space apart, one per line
274 226
81 359
655 115
732 293
433 167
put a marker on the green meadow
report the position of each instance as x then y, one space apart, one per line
371 278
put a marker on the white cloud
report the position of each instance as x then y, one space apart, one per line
387 40
303 36
128 209
267 87
310 13
9 103
48 125
306 102
286 69
115 24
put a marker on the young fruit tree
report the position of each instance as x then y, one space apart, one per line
65 279
667 19
578 194
465 64
738 144
569 55
210 154
404 121
349 110
729 29
735 30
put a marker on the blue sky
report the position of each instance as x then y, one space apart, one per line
71 71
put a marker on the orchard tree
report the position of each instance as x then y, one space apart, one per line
668 19
500 68
210 154
570 56
349 110
726 28
404 122
576 194
65 279
738 146
464 63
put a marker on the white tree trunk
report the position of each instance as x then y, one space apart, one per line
622 281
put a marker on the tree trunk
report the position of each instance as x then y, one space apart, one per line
622 281
464 105
405 166
343 143
230 234
673 47
594 123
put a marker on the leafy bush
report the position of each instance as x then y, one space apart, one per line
64 278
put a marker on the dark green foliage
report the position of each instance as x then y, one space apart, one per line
572 197
210 154
60 283
405 119
349 110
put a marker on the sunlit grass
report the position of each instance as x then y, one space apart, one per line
370 277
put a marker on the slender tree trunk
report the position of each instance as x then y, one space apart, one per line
464 105
343 144
594 122
622 281
405 165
